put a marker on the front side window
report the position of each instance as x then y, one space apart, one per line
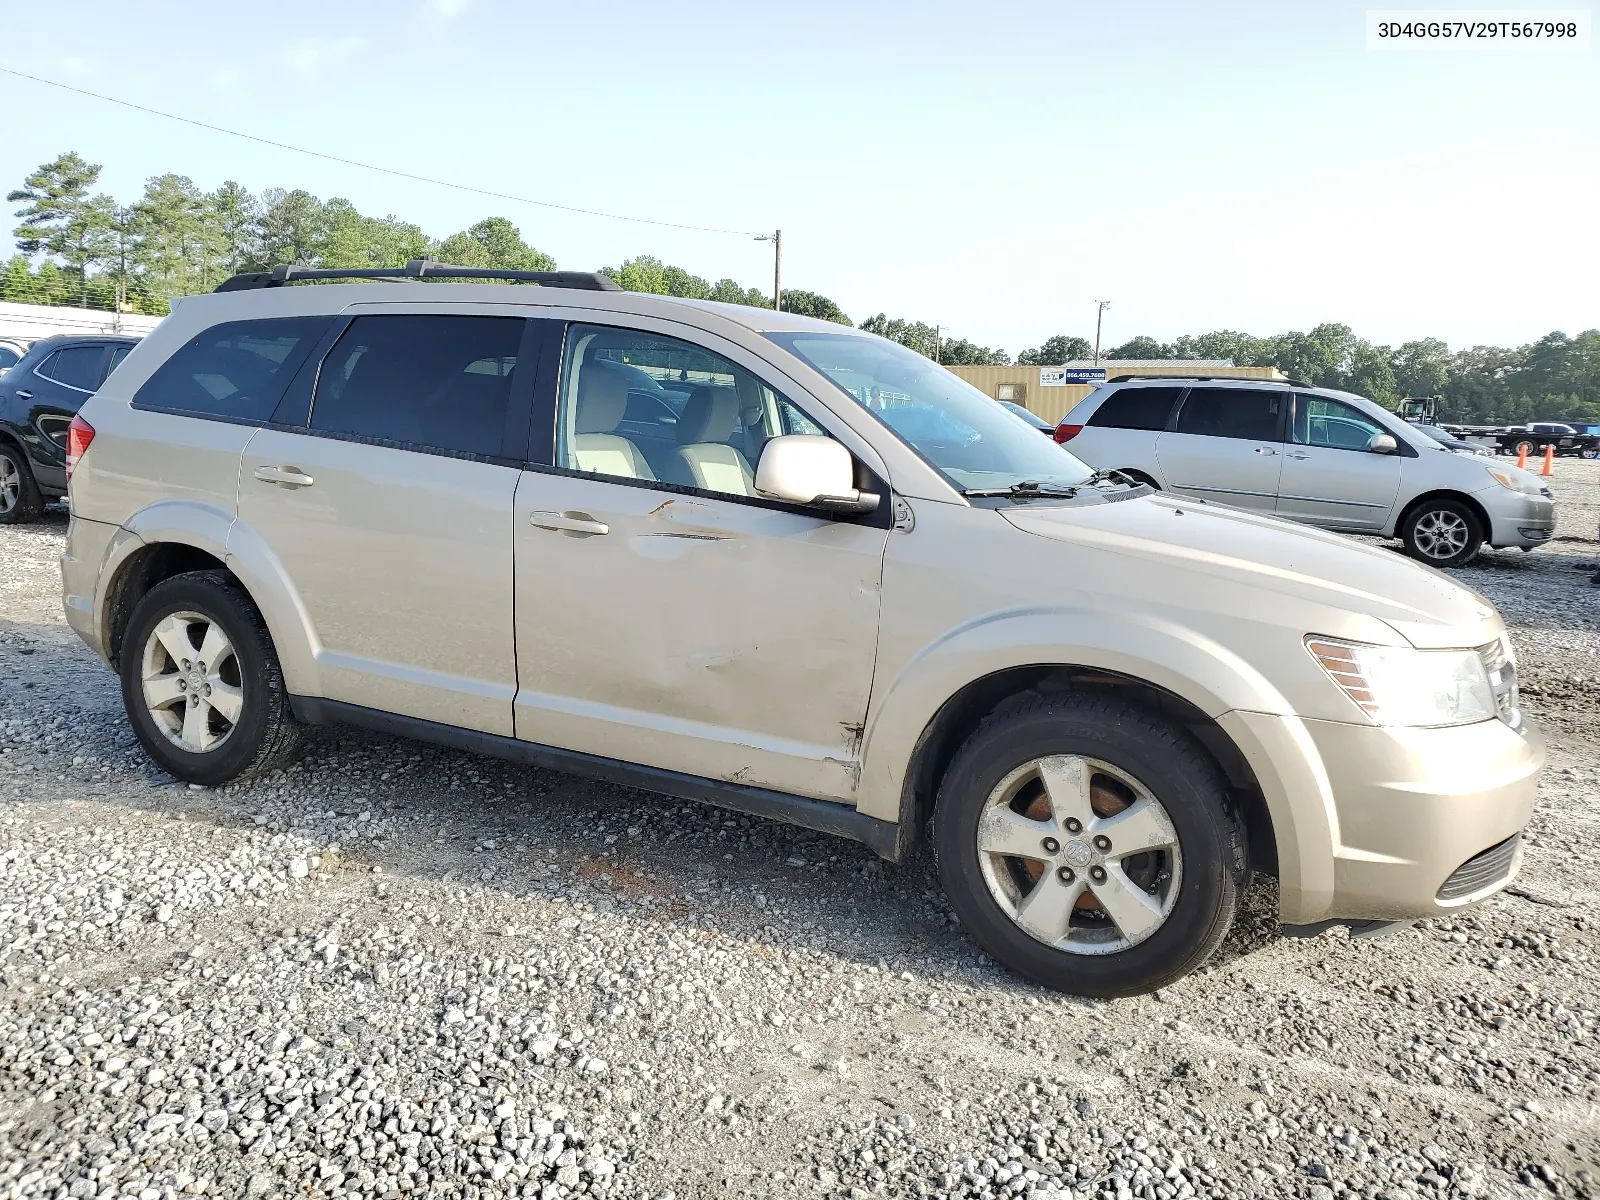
236 370
75 366
1319 421
1136 408
438 382
953 426
638 405
1253 414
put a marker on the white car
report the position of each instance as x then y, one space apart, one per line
1315 455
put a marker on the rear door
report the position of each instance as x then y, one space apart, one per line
1121 432
389 506
1330 478
1226 445
60 385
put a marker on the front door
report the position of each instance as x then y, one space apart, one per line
1226 445
667 615
1330 478
392 517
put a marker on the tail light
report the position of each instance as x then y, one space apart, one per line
1065 432
79 434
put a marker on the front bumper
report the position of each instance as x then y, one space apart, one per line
1428 819
1518 520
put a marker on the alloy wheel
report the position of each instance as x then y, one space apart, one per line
1440 533
1079 854
10 484
191 682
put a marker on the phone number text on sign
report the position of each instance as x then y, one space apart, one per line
1558 30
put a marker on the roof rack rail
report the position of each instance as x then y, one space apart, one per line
419 268
1213 379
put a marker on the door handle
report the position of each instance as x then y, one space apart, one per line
289 477
21 395
1298 454
1265 450
569 522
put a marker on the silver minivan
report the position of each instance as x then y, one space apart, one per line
1316 455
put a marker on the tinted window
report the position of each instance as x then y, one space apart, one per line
1136 408
237 369
76 366
1250 413
117 355
1319 421
434 381
8 357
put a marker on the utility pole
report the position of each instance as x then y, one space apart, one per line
776 238
1099 316
937 357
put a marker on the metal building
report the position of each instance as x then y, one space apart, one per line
1052 391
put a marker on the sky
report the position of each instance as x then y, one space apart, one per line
995 169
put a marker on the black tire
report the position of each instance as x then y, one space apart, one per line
20 502
1210 832
266 735
1139 477
1420 532
1524 447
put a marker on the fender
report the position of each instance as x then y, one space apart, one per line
1249 708
217 532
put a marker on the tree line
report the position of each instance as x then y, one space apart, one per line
79 247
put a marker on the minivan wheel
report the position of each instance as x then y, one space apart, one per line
201 681
1089 845
19 495
1442 533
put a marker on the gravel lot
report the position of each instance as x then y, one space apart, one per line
401 970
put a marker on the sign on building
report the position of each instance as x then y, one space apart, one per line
1052 377
1085 374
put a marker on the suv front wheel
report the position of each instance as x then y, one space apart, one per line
201 681
1089 845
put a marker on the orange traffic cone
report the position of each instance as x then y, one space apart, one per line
1549 467
1522 458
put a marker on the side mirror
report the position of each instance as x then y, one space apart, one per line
814 471
1382 443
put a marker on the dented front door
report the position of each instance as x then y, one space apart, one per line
718 638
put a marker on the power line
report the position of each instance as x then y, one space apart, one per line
350 162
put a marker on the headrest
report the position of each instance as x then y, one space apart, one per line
602 399
710 416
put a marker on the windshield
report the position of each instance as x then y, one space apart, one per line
964 434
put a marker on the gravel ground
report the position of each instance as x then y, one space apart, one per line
400 970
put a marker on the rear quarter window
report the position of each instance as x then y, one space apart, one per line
1136 408
237 370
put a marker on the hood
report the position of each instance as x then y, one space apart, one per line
1425 606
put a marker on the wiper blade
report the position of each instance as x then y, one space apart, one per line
1028 487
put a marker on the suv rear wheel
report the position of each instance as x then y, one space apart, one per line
1442 532
19 494
201 681
1089 845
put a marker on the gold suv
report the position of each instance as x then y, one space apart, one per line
788 568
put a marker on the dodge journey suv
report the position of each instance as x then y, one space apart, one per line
791 569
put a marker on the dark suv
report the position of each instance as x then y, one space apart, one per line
38 398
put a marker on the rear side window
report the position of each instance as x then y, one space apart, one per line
237 370
1254 414
76 366
434 381
1136 408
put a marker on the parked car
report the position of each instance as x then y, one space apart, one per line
1315 455
1451 442
38 397
1028 415
1535 438
410 509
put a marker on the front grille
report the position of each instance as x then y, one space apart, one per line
1481 870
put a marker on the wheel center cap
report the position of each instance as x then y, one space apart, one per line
195 680
1077 853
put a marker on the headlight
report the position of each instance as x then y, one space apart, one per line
1516 481
1397 685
